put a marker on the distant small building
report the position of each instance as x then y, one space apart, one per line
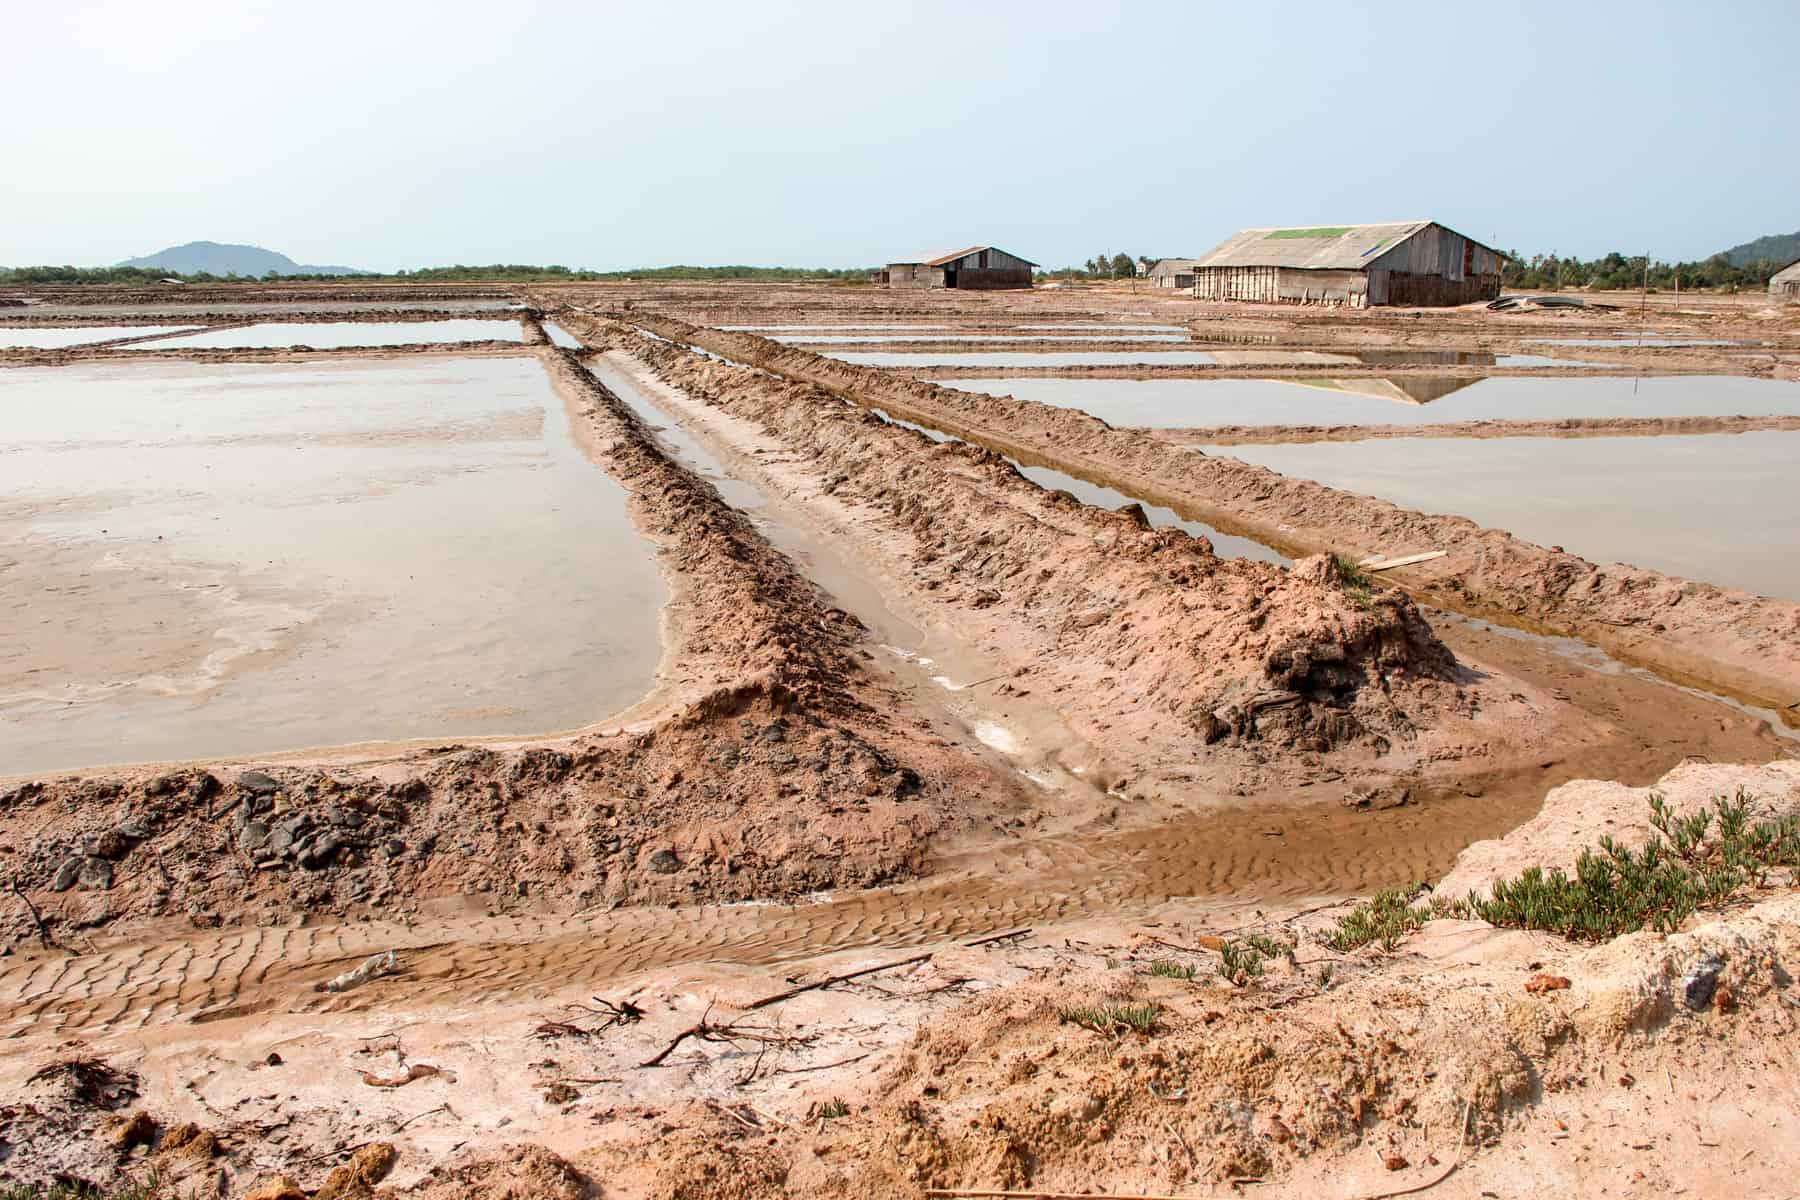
1142 266
1173 272
1785 284
173 280
977 268
1407 263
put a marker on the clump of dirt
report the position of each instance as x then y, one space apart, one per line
747 793
523 1172
67 1122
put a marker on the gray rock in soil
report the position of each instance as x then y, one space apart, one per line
66 875
1701 981
253 836
133 829
96 874
664 862
259 783
319 855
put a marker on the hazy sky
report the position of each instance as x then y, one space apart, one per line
383 134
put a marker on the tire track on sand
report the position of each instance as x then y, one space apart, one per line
1283 853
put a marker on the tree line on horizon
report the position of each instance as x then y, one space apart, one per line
1540 272
1623 272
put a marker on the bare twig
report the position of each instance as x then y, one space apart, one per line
842 1062
778 997
707 1031
999 937
37 918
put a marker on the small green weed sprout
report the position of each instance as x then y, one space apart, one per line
150 1189
1386 918
1164 968
1240 962
1356 582
1112 1017
834 1108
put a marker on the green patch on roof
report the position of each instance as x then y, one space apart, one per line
1322 232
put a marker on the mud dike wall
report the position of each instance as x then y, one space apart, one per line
1145 637
1734 642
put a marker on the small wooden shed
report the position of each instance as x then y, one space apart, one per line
977 268
1173 272
1785 284
1403 263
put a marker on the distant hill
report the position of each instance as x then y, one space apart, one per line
215 258
1778 248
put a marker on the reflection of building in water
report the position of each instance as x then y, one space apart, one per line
1406 389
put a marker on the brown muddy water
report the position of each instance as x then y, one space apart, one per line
222 560
1714 507
57 337
1396 400
337 335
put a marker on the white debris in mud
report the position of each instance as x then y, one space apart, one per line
996 737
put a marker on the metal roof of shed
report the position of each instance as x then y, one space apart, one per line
938 258
1317 248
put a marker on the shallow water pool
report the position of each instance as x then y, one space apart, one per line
1396 400
240 559
61 336
336 335
1716 507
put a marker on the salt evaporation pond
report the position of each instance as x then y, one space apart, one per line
1713 507
337 335
246 558
1397 400
561 337
57 337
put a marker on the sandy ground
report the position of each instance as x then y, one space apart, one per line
1164 750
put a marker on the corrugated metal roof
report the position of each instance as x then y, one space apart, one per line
938 258
1792 268
1318 248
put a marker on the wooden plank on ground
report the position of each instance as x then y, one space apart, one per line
1405 560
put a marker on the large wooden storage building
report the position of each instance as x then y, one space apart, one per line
1785 283
1403 263
978 267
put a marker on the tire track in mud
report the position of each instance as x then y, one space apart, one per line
1239 856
